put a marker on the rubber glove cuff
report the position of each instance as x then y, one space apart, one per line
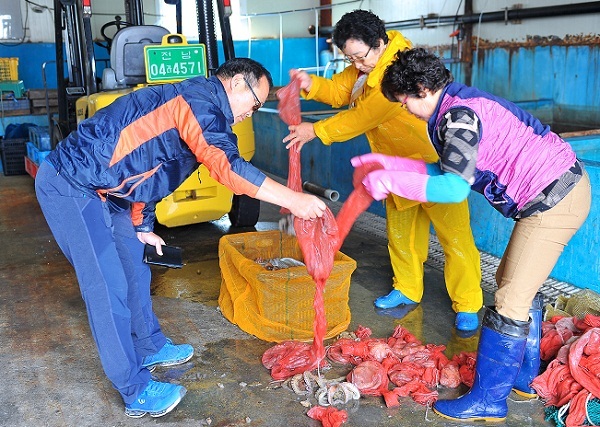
391 163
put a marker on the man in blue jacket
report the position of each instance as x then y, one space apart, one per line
98 190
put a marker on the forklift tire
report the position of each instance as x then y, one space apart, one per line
244 211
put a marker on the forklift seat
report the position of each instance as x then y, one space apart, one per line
127 67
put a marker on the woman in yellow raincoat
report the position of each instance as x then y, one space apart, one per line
391 129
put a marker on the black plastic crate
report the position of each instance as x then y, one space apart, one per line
13 156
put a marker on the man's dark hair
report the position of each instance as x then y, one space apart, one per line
249 68
413 71
359 25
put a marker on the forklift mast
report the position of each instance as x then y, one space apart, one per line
72 17
134 12
72 25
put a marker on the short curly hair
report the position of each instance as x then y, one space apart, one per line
413 71
359 25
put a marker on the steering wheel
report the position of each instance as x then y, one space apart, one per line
118 23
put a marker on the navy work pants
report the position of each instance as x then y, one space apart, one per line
99 240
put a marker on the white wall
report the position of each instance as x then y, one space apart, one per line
39 21
391 11
289 18
256 18
269 19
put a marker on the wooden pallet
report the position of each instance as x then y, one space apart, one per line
41 94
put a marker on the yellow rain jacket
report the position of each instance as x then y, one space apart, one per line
391 129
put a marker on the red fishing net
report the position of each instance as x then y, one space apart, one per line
571 379
329 417
319 240
415 369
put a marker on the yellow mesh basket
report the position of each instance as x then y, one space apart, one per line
579 304
277 305
9 69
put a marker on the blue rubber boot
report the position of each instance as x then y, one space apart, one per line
499 355
530 368
466 322
393 299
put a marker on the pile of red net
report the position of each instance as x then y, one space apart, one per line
397 366
572 346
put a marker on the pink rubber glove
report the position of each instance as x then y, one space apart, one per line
410 185
390 162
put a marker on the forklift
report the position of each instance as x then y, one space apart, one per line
200 198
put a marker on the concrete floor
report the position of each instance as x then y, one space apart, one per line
51 374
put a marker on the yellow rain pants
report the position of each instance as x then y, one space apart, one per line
408 242
391 129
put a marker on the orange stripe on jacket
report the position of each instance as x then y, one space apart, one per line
210 156
144 129
136 213
138 179
219 167
179 114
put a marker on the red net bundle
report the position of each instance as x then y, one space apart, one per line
397 366
329 417
414 368
571 379
319 239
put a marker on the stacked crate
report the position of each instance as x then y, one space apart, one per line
13 151
9 69
38 147
12 89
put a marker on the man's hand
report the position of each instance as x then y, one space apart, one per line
152 239
299 135
307 206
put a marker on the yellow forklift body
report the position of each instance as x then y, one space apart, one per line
200 198
87 106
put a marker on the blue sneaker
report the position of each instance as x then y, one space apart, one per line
466 321
169 355
393 299
157 399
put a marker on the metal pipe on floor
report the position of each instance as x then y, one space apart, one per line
321 191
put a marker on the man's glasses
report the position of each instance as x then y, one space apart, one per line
257 103
362 58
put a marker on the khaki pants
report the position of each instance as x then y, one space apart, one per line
533 250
